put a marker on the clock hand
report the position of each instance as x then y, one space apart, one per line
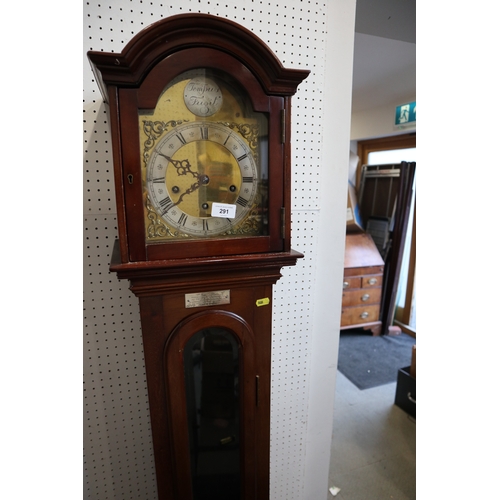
182 166
189 190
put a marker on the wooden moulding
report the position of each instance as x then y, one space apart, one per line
169 35
157 277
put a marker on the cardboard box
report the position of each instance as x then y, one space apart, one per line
406 395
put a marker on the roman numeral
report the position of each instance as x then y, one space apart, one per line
242 157
166 204
182 219
159 180
241 201
205 224
181 138
248 179
204 133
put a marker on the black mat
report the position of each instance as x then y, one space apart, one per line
369 361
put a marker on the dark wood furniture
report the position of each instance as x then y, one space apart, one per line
363 280
167 328
205 301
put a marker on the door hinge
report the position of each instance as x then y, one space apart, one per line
283 126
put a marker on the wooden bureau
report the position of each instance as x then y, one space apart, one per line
363 278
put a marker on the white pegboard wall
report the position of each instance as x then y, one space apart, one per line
98 185
292 319
306 149
118 459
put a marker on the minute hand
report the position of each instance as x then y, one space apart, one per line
182 166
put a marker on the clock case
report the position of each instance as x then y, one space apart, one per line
135 78
164 277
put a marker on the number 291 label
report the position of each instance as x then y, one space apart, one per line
223 210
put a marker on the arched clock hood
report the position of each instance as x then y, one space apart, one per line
176 33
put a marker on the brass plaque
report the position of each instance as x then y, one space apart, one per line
204 299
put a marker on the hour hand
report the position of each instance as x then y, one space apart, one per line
189 190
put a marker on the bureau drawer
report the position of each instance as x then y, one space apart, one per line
372 280
354 282
361 296
359 315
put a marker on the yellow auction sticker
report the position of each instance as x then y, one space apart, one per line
262 302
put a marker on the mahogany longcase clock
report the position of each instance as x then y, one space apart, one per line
200 120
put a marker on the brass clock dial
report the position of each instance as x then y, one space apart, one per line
204 154
202 178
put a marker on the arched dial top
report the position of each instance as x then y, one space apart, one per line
202 96
202 178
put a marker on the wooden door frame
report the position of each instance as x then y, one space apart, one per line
365 147
403 313
403 141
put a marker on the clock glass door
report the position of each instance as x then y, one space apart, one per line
204 155
211 370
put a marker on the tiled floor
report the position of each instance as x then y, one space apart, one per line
373 446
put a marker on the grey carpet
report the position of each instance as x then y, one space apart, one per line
369 361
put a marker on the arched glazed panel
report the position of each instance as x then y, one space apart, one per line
211 395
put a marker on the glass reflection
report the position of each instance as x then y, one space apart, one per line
211 367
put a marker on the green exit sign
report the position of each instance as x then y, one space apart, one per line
406 114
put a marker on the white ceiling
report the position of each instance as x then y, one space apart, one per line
384 53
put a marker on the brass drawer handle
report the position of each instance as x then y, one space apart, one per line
364 315
372 281
346 284
365 297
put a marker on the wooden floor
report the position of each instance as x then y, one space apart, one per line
373 446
